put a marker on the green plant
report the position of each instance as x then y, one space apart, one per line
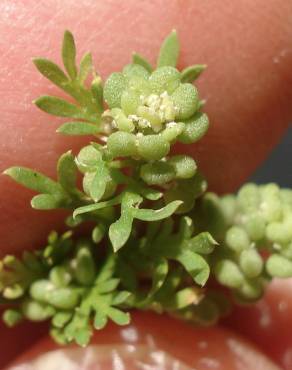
158 237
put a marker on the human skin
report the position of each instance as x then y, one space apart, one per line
247 47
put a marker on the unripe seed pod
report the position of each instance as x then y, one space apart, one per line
132 70
251 263
36 311
279 266
164 79
60 276
157 173
130 101
113 89
41 289
63 298
255 226
228 274
195 128
185 167
185 99
88 158
152 147
122 144
237 239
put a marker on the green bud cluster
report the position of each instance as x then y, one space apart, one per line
157 236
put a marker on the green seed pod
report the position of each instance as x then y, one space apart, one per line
36 311
172 131
185 99
60 276
135 70
164 79
228 206
251 263
228 274
152 147
249 198
63 298
41 289
280 232
195 128
255 226
84 270
122 144
185 167
130 101
88 158
279 266
157 173
113 89
237 239
11 317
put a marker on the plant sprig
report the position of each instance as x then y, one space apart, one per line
157 237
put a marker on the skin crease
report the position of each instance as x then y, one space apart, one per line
246 44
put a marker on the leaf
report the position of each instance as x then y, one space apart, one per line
97 92
51 71
120 231
119 317
33 180
96 206
77 128
69 54
184 298
67 172
138 59
48 201
169 51
85 67
157 214
100 179
195 265
203 243
191 73
58 107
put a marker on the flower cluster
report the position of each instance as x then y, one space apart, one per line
157 236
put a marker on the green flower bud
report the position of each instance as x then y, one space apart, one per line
255 226
280 232
286 196
88 158
228 274
135 70
11 317
172 131
195 128
60 276
36 311
157 173
63 298
86 181
286 251
228 207
250 291
152 147
121 121
237 239
185 99
279 266
13 292
150 116
130 101
41 289
249 198
113 89
84 270
271 206
185 167
122 144
164 79
251 263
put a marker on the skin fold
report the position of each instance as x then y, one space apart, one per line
247 47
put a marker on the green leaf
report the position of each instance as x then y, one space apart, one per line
96 206
51 71
69 54
195 265
33 180
191 73
138 59
156 214
85 67
67 172
120 231
48 201
58 107
78 128
169 51
97 92
119 317
203 243
100 179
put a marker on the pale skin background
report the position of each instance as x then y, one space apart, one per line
247 45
